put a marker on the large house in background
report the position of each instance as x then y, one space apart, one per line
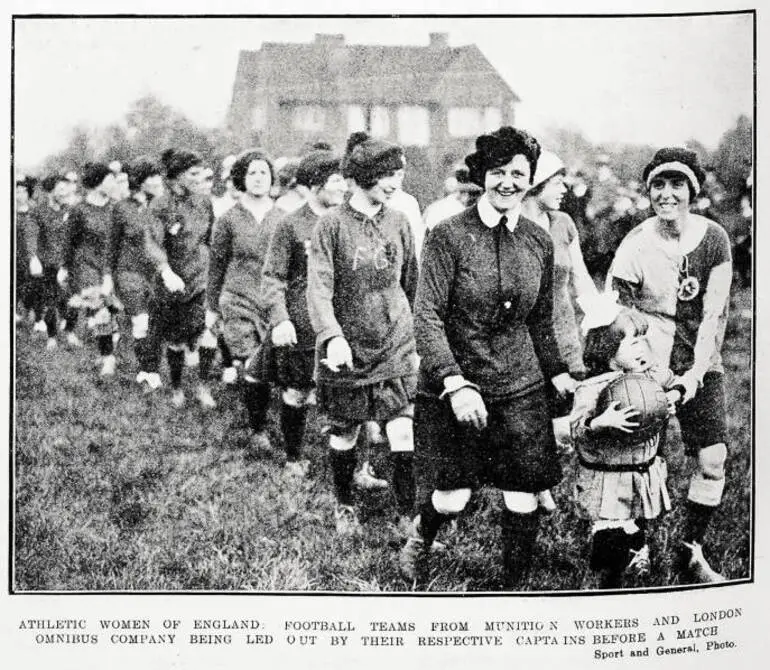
432 99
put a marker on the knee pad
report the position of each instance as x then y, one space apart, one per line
294 397
708 481
140 325
450 502
346 441
520 502
400 434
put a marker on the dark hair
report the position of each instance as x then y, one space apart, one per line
94 174
354 140
498 148
29 184
141 170
321 145
241 167
602 343
49 182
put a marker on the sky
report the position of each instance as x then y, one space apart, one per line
640 79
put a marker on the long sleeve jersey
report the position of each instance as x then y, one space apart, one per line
238 248
46 233
362 275
464 285
86 244
284 275
182 238
130 247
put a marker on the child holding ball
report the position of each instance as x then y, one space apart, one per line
621 479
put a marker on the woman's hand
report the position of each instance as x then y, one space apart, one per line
211 319
338 354
564 384
284 334
469 407
614 417
35 267
108 286
690 383
171 280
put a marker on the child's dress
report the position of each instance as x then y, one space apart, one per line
616 480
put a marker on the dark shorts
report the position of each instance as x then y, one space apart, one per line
702 420
242 329
292 367
516 451
347 407
135 292
180 322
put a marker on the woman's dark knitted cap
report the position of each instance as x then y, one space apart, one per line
676 159
315 168
94 174
369 159
498 148
141 170
177 162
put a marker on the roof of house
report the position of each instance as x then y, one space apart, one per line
328 70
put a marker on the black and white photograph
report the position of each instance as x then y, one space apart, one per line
382 305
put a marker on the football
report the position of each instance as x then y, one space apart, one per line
645 395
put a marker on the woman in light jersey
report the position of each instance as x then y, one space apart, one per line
676 267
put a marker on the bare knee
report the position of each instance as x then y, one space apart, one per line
450 502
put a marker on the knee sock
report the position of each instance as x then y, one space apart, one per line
105 345
343 465
71 316
403 481
256 397
518 538
224 350
697 518
206 360
50 322
293 428
175 366
431 521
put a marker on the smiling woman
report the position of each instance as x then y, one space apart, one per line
676 268
483 324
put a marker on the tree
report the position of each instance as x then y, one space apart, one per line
733 157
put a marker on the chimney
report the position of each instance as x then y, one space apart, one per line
439 40
330 41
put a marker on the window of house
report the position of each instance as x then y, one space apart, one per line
309 118
356 118
379 121
493 118
259 117
413 126
464 121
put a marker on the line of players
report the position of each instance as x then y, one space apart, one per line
312 293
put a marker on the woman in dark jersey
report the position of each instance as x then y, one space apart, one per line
90 222
284 283
362 274
484 330
238 247
129 267
676 267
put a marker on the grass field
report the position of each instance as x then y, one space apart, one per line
115 490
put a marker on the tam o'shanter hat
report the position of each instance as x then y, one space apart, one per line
547 166
599 309
675 159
